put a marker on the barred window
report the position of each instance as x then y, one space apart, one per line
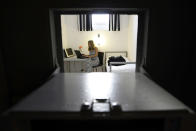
100 21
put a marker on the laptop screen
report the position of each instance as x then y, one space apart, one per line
78 53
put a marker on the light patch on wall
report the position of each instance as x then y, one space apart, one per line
99 40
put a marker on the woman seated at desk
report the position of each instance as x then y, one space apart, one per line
93 56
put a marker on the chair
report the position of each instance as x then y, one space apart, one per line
100 56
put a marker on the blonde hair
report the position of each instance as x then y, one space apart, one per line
92 45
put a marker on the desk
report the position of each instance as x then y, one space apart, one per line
62 96
73 64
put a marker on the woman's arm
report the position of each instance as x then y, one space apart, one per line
96 53
85 55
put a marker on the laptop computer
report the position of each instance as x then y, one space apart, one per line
79 55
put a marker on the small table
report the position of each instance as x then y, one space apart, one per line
73 64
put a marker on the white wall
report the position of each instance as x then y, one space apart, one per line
112 40
64 32
132 37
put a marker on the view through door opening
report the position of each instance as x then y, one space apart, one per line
111 43
141 25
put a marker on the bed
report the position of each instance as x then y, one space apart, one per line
128 67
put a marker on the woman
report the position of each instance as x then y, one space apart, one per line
93 56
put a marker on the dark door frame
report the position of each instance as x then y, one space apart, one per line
142 35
